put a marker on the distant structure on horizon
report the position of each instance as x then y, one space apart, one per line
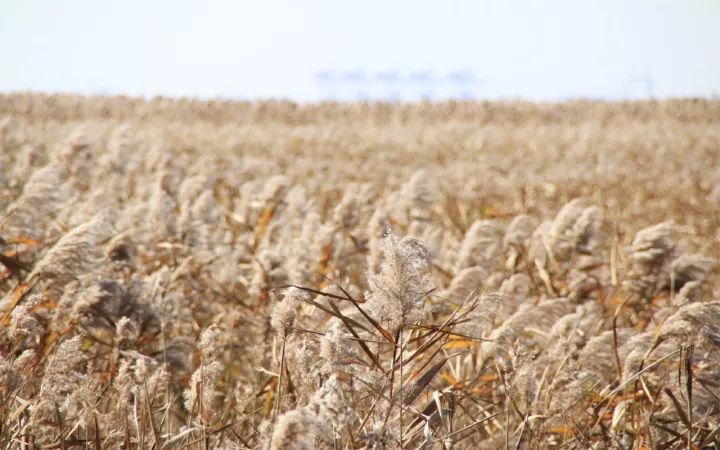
393 85
640 86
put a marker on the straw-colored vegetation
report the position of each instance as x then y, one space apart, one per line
185 274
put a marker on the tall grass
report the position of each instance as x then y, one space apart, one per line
187 274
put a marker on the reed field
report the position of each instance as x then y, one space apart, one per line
186 274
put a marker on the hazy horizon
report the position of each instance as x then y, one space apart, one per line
405 50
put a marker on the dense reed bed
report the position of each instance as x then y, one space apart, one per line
213 274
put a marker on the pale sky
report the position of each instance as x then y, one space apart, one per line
539 50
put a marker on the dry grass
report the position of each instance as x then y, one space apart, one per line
186 274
